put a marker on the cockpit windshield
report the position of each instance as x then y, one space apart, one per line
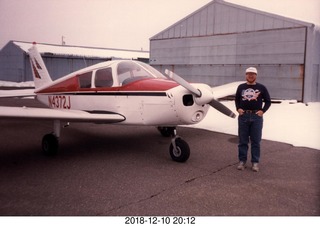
154 71
130 71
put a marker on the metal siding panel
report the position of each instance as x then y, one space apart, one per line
184 28
277 23
258 22
288 24
28 72
57 67
250 21
271 36
268 23
12 63
166 35
203 21
77 64
218 21
201 50
274 77
210 21
224 19
171 32
242 20
196 25
177 31
271 47
233 20
212 75
189 27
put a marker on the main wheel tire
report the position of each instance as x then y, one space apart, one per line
182 152
50 144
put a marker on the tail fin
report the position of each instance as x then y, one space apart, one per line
40 73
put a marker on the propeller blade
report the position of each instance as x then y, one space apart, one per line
223 109
214 103
183 82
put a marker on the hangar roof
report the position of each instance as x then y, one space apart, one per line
219 17
81 51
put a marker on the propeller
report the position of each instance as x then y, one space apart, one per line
202 96
183 83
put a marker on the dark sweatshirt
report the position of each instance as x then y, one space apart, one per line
251 97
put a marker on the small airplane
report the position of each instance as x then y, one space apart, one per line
125 92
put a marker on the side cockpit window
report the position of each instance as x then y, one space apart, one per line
104 78
85 80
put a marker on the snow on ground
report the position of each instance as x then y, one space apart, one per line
16 84
289 122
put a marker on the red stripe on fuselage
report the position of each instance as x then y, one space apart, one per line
149 85
72 85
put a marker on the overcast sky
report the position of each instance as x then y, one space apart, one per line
126 24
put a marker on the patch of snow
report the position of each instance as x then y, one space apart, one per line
289 122
16 84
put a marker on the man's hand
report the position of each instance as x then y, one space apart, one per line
260 113
240 111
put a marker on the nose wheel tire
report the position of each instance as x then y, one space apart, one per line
50 144
179 150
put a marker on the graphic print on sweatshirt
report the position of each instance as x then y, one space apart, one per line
250 94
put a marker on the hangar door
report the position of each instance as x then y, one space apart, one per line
278 54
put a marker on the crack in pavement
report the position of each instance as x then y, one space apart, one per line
173 187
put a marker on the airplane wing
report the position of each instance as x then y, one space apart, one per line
54 114
225 90
17 93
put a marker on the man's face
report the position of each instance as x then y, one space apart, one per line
251 77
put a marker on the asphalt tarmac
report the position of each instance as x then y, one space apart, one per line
111 170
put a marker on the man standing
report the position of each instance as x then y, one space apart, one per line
252 101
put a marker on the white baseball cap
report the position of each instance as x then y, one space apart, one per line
252 69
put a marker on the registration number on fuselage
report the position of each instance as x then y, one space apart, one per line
59 101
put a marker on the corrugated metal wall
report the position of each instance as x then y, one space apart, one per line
15 65
67 65
278 55
219 41
220 17
60 66
12 63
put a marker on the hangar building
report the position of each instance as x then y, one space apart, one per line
59 59
216 43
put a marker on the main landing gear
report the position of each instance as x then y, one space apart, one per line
50 142
179 149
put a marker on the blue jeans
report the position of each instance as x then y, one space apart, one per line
249 127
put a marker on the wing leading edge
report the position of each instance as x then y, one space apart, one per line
17 93
225 90
53 114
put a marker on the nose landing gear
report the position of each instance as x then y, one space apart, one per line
179 149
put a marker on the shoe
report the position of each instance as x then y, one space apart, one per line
241 165
255 167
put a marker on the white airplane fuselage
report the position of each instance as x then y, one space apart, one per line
128 88
160 108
